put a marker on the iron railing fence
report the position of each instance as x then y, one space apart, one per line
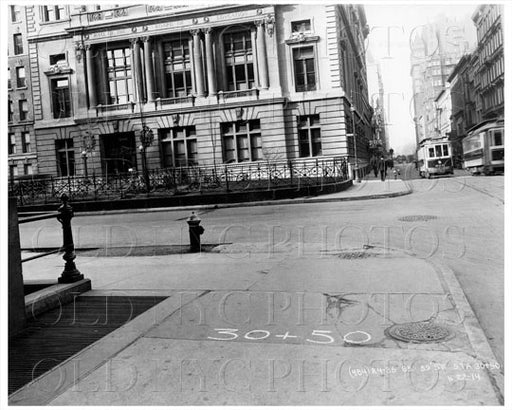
179 180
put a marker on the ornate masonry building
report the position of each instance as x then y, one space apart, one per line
490 64
209 85
21 144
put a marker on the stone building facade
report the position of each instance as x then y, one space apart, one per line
22 151
490 65
435 50
215 85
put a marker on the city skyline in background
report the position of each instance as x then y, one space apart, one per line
389 45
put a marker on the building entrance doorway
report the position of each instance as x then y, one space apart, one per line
118 153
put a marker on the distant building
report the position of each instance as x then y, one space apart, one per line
435 50
463 101
220 84
22 153
443 104
490 65
380 141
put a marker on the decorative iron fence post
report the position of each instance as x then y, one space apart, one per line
71 273
227 178
290 165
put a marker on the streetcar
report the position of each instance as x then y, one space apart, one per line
435 157
483 148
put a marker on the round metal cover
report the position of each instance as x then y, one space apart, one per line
416 218
418 332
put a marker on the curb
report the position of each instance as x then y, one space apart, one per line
476 335
54 296
66 375
308 200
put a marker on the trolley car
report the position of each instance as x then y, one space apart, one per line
484 148
435 157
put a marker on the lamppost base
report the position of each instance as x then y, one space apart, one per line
68 277
71 275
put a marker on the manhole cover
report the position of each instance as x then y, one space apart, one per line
416 218
418 332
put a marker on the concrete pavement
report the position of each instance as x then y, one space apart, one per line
275 328
255 323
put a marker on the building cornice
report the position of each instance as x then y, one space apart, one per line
198 16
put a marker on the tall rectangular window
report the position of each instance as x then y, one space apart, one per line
12 144
23 106
178 77
178 147
15 13
61 99
18 43
13 171
304 69
241 141
25 142
27 168
310 141
53 13
238 56
10 108
21 80
65 157
9 85
120 75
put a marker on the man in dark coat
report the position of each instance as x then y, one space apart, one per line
373 165
382 165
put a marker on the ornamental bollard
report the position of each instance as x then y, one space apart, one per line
71 273
195 231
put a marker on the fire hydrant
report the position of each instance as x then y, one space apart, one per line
195 231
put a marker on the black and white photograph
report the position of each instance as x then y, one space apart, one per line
238 204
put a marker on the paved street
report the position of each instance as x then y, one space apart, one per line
453 221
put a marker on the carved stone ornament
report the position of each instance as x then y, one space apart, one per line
270 24
239 113
79 46
176 119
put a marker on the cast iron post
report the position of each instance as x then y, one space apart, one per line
71 273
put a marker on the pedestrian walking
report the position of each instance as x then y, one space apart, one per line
373 165
382 168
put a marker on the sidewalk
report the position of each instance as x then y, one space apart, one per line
280 328
366 189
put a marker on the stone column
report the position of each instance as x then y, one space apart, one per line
210 66
161 67
198 63
255 57
262 54
137 69
91 76
222 63
148 66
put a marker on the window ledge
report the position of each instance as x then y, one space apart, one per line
302 39
45 23
21 88
58 70
223 95
115 107
174 100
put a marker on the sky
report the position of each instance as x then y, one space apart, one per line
391 27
